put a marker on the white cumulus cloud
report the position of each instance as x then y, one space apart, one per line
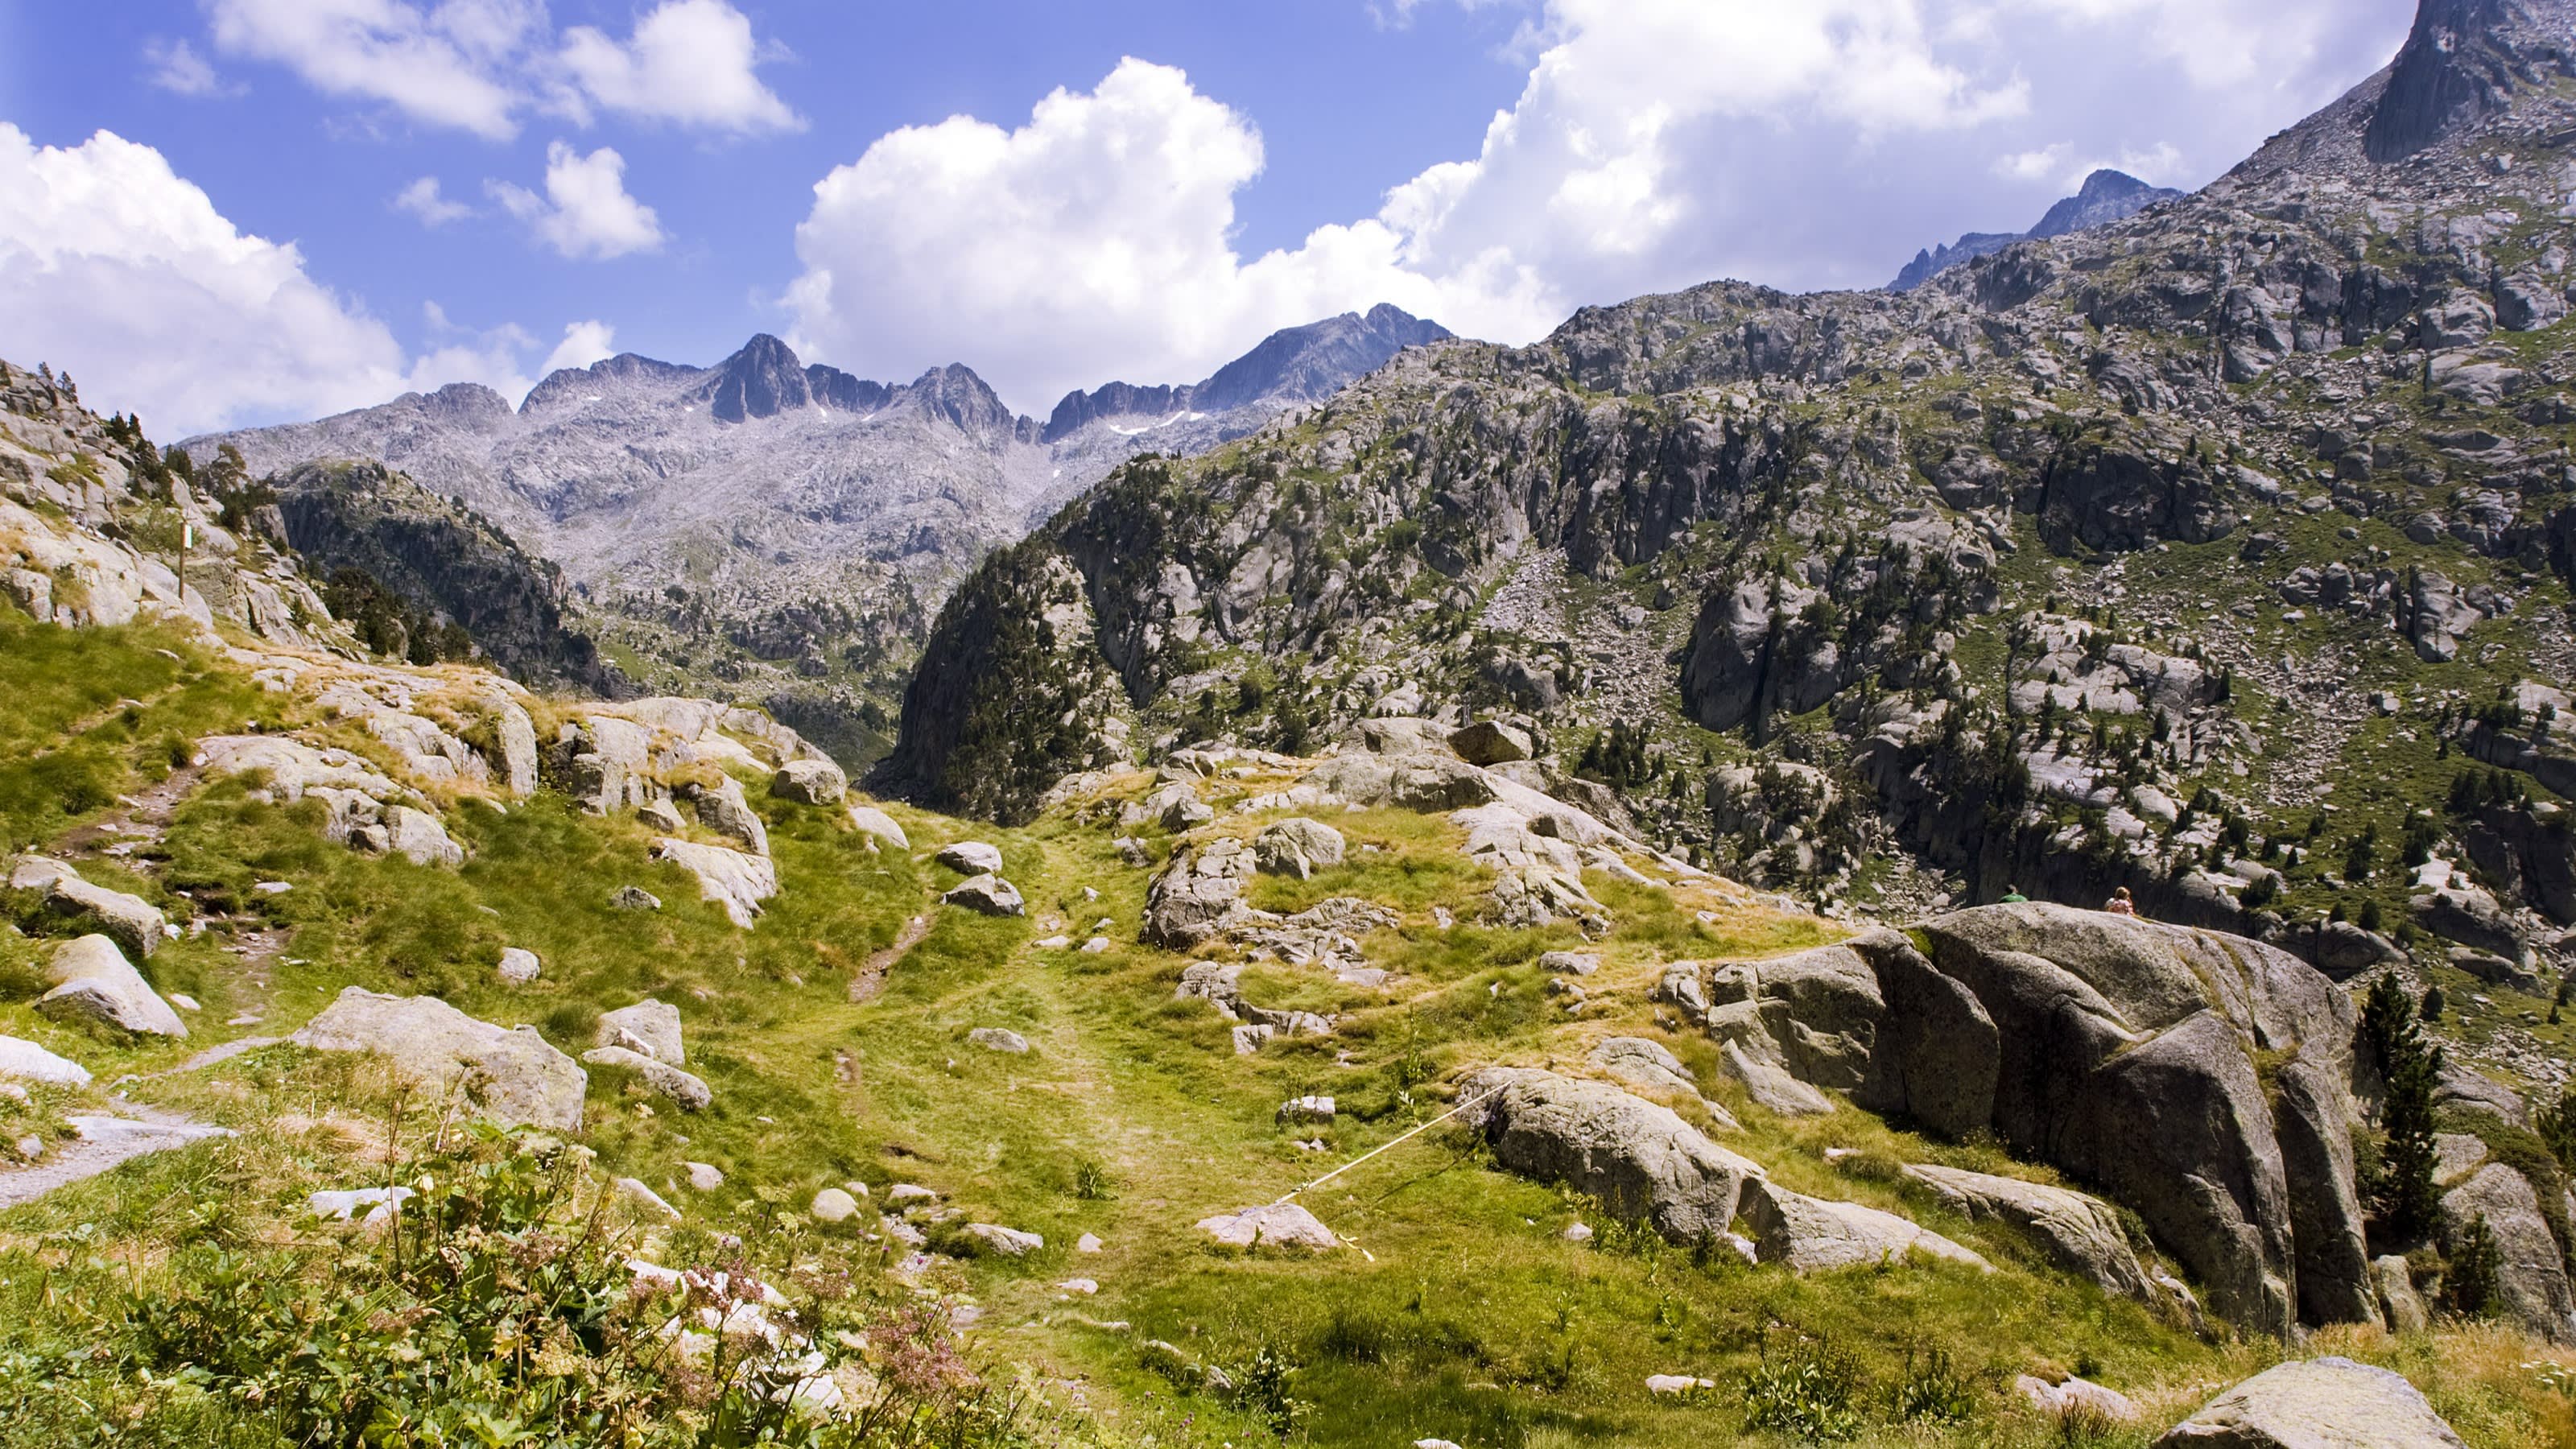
445 66
477 65
583 344
691 62
1653 145
586 212
424 200
124 274
176 67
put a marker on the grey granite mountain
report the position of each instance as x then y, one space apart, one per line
2221 553
777 529
2107 196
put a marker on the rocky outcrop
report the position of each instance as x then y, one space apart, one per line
2081 1234
2461 63
94 984
1297 847
1811 1235
810 782
1642 1161
132 922
2321 1401
444 562
730 879
1198 895
2123 1051
512 1077
2532 1274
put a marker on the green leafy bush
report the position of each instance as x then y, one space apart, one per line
499 1306
1807 1390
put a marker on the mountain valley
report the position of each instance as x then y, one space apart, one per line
1982 863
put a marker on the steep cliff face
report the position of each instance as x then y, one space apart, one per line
2462 63
2173 553
445 561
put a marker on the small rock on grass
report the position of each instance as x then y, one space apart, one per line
645 1200
832 1205
635 898
704 1176
999 1039
381 1203
30 1062
518 966
1674 1385
1277 1225
1085 1286
1087 1243
2055 1400
972 857
1001 1241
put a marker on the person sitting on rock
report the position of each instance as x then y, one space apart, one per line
2120 904
2014 897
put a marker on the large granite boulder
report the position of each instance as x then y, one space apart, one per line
2532 1277
649 1026
1277 1225
129 920
878 826
417 836
1813 1234
972 857
1643 1161
988 895
2200 1079
1297 847
2081 1233
728 878
95 984
810 782
28 1062
515 1077
2315 1404
686 1089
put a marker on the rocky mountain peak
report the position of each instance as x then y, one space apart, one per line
762 380
2462 63
2106 196
1292 365
467 404
1314 361
957 394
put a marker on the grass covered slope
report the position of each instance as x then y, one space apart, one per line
141 1305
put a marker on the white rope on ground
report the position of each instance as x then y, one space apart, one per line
1372 1152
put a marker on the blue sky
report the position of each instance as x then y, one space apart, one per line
1055 194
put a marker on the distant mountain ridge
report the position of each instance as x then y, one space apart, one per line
1300 364
783 528
2106 196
